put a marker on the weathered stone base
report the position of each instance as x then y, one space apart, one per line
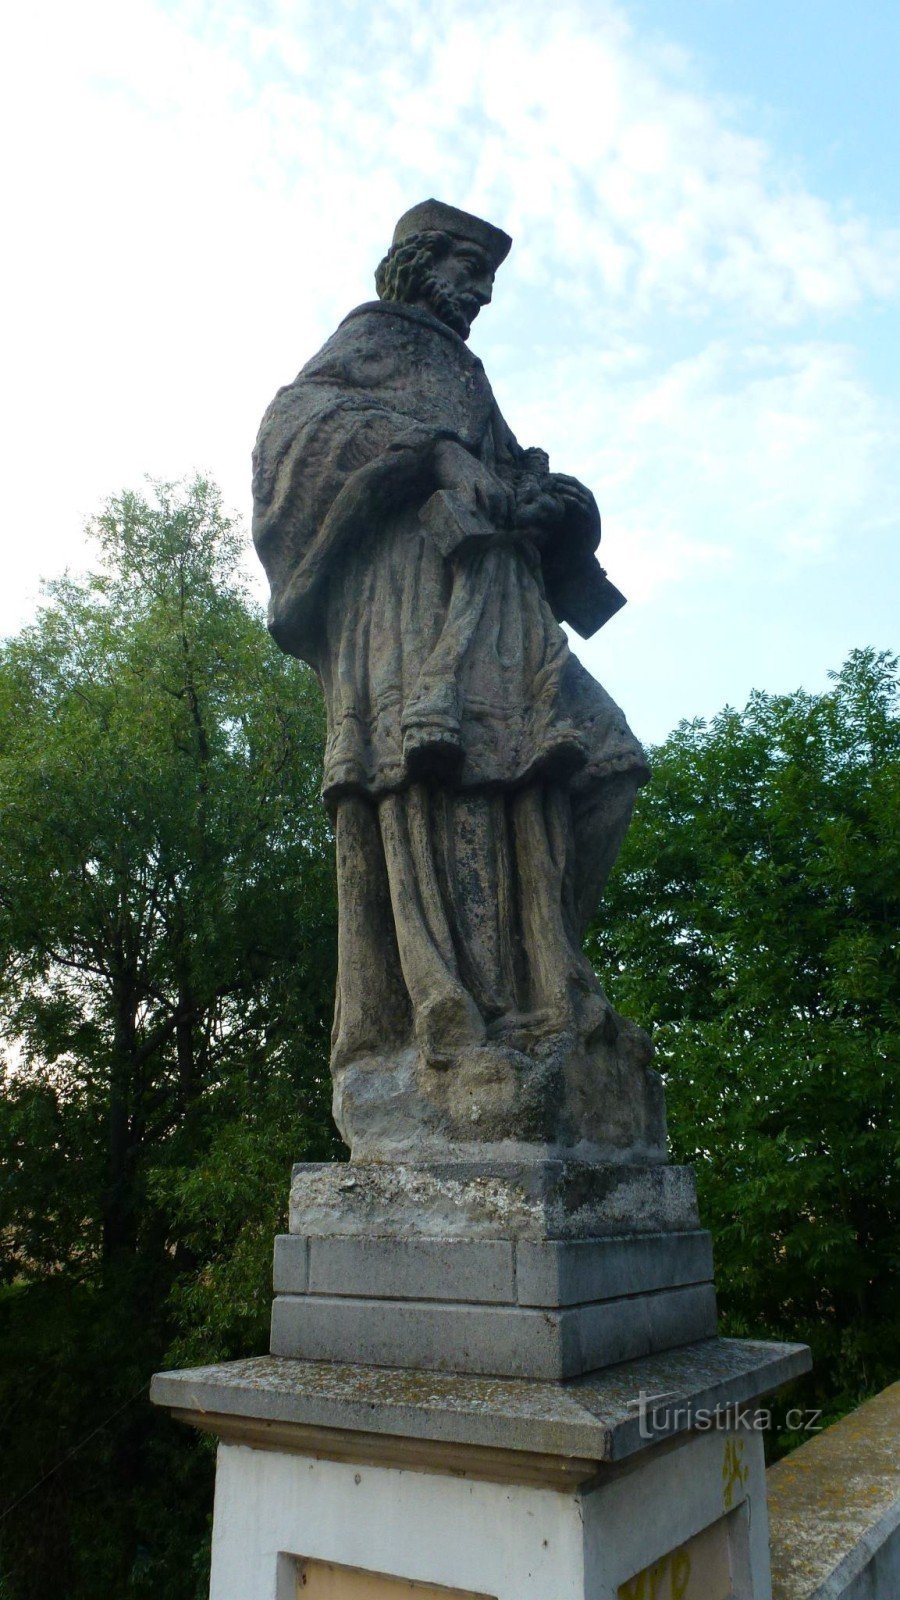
550 1198
493 1101
365 1482
516 1308
544 1270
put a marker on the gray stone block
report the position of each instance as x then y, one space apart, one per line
545 1200
550 1273
621 1330
480 1270
567 1272
422 1335
681 1316
290 1266
617 1330
505 1341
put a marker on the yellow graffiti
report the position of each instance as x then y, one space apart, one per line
734 1471
681 1574
669 1577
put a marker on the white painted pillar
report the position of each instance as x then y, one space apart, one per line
682 1521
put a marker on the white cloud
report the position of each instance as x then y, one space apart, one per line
761 452
201 191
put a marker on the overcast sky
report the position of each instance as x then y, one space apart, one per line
699 316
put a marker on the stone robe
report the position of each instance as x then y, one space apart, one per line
481 781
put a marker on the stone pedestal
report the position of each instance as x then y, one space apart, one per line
547 1270
349 1481
497 1381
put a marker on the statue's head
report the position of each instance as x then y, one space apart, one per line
443 260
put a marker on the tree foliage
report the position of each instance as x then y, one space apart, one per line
166 937
753 922
166 977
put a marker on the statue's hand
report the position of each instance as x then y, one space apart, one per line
575 498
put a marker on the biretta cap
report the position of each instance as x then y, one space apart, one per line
431 215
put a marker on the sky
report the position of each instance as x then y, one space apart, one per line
699 317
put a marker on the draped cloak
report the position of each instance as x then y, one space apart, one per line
478 775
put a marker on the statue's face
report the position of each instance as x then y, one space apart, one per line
459 285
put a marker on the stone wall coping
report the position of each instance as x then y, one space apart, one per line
834 1504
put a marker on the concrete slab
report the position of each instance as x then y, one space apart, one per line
597 1417
566 1272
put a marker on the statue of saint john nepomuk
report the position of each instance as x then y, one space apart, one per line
480 780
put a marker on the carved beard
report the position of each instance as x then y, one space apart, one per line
458 311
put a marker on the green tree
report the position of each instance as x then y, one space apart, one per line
753 922
166 937
166 949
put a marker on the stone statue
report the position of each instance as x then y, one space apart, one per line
480 781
